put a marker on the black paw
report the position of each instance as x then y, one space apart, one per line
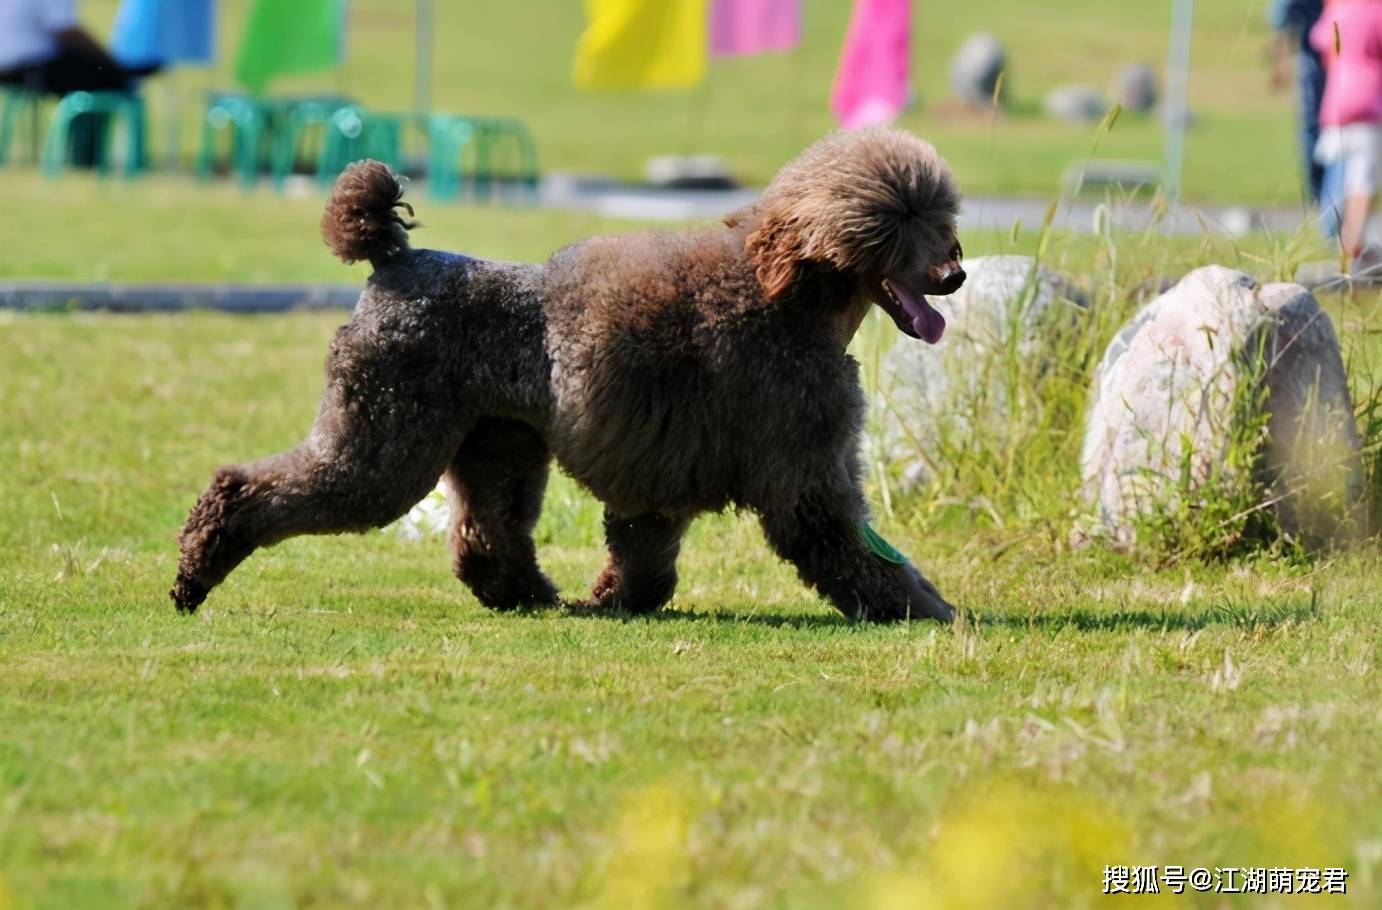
188 594
921 601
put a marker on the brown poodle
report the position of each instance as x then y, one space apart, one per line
670 373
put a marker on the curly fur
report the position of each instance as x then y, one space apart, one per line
670 373
361 222
864 206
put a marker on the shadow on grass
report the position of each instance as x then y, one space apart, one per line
822 620
1082 620
1164 621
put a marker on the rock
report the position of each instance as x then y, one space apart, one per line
940 401
1075 104
1136 88
975 69
429 518
689 172
1173 379
1236 221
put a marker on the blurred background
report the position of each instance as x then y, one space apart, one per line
515 60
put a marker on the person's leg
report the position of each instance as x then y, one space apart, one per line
1332 199
1310 88
1351 231
1362 149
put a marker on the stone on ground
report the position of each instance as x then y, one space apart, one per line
1135 88
940 401
1180 382
975 69
1075 104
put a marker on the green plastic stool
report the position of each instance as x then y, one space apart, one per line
297 122
486 141
449 137
352 133
114 105
507 134
17 103
242 119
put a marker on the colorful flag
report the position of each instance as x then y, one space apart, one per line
633 44
289 36
739 27
164 31
871 86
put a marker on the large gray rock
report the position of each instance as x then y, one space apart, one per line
975 70
1075 104
1136 88
939 402
1170 396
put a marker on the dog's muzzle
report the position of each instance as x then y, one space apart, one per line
947 278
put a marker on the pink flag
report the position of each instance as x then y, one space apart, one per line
871 86
739 27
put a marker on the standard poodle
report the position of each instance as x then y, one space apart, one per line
669 373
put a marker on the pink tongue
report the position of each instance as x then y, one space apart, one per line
927 322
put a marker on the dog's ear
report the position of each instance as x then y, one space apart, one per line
775 250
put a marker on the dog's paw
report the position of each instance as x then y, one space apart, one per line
612 593
924 601
919 600
188 594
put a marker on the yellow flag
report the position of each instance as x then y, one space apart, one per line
632 44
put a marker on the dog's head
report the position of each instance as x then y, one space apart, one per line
878 205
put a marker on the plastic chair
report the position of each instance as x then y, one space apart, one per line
506 133
296 122
485 140
114 106
353 133
242 118
448 139
18 102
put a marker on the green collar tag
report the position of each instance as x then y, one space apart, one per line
875 542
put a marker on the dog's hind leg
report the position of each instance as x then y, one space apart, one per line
642 570
821 533
368 460
495 484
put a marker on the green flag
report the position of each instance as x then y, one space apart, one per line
289 36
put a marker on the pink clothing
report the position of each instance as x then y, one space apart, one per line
871 86
739 27
1353 77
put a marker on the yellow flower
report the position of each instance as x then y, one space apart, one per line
648 866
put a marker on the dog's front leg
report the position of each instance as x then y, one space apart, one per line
824 534
642 570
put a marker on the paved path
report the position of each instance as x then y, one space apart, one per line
62 296
617 200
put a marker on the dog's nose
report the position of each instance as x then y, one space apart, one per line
952 282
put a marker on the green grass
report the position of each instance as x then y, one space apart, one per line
343 725
502 57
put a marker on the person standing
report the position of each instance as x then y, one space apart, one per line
44 50
1348 36
1292 20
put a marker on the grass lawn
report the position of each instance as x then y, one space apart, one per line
343 725
497 57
